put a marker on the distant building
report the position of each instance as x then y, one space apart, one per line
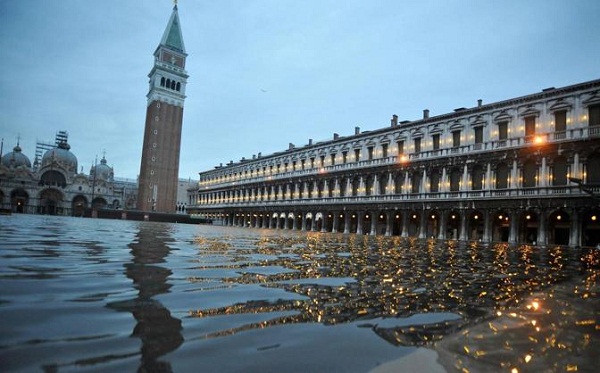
524 170
53 186
159 167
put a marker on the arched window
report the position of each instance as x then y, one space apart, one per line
477 177
559 171
434 181
593 169
455 177
529 173
178 87
162 81
502 176
168 83
172 84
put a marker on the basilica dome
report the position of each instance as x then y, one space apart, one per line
102 171
61 157
16 159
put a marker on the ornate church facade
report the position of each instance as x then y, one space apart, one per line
523 170
53 186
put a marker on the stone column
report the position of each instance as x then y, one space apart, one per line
423 225
389 223
303 228
487 226
359 221
295 222
347 222
574 238
405 219
374 220
390 184
313 222
443 228
463 235
336 222
541 236
514 227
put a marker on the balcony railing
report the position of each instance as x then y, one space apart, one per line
553 191
552 137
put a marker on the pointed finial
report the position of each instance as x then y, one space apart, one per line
175 4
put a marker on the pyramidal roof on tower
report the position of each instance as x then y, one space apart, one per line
172 36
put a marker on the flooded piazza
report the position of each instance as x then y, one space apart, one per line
108 295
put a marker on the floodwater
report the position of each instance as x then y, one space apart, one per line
107 295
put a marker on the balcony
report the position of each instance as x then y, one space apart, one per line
537 192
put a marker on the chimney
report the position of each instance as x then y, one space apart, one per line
309 142
357 130
394 120
336 136
426 114
259 154
291 146
253 156
479 102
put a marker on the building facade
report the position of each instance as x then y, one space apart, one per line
524 170
53 186
159 169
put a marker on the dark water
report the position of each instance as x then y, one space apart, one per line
103 295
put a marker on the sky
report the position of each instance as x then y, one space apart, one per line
266 73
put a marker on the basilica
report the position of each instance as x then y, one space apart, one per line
522 170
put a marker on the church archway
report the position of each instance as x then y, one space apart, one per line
78 205
19 199
50 202
99 203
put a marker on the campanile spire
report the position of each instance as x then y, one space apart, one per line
159 170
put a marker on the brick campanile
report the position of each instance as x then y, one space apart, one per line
159 170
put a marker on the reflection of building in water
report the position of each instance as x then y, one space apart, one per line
379 280
504 171
158 331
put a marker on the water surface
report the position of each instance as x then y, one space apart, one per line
96 295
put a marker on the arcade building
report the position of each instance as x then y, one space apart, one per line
524 170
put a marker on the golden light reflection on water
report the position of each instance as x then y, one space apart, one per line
528 324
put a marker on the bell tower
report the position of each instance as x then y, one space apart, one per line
159 170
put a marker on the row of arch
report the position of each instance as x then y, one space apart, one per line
531 173
51 201
170 84
568 227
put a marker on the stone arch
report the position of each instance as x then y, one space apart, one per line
559 227
78 205
53 178
590 232
475 225
99 203
397 224
19 200
501 225
528 227
433 224
50 201
414 220
453 224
